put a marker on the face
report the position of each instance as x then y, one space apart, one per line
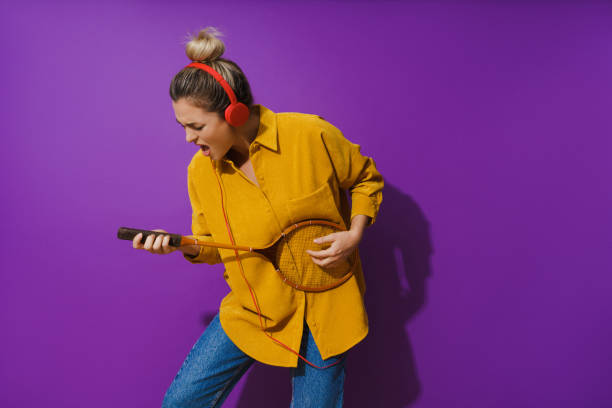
206 129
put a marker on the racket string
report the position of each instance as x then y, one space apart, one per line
290 270
297 266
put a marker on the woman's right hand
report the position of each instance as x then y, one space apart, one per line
158 246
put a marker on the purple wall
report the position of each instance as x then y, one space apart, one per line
488 270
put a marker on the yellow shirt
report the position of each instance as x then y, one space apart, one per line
304 167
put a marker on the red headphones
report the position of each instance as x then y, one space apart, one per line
237 113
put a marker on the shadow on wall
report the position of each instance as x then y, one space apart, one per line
380 371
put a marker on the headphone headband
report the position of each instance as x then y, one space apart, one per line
237 113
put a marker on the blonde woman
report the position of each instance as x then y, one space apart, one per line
253 175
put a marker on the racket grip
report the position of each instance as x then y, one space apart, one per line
130 233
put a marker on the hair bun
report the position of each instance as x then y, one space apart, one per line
205 46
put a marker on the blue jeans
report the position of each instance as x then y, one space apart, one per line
214 365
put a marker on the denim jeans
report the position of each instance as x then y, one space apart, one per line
214 365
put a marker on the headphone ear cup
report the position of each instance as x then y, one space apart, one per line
237 114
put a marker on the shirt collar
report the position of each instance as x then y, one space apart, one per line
267 133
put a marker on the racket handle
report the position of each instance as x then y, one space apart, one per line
130 233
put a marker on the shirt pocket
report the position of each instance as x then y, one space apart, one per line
319 204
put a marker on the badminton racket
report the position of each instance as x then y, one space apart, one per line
287 253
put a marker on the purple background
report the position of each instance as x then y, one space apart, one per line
488 269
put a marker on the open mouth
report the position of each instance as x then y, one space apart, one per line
205 149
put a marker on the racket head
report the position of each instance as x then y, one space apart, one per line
295 265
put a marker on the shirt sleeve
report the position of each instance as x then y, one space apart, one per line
200 230
355 172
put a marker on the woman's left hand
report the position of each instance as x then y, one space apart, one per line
343 243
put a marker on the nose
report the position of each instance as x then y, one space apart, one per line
190 136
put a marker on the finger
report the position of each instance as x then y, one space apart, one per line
326 262
149 242
136 241
166 244
333 264
157 243
330 262
327 238
316 260
331 251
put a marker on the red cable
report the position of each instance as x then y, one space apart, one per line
251 290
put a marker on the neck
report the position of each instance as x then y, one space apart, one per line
245 134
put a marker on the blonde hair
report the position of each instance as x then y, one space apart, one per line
198 86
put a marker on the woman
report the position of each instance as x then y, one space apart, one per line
249 181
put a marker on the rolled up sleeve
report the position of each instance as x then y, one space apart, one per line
200 230
355 172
